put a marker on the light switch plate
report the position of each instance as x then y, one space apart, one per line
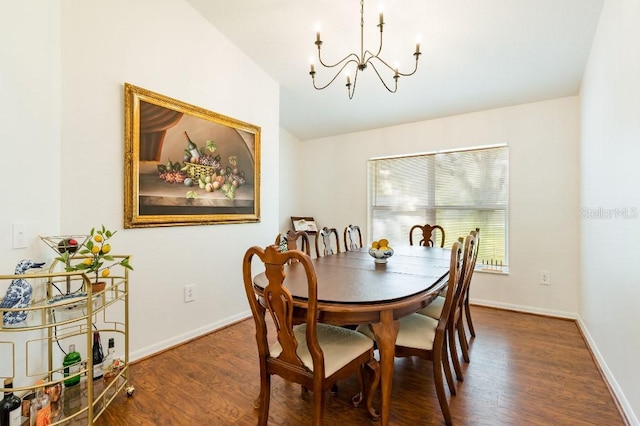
19 232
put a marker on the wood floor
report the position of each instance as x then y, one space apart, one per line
524 370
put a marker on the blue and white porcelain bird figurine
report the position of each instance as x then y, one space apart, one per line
18 294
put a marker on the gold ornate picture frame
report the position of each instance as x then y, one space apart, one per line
185 165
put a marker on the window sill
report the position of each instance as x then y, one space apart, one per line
499 270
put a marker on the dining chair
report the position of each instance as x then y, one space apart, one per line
323 238
428 237
289 241
352 238
456 323
426 337
313 354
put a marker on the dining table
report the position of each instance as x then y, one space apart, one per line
354 289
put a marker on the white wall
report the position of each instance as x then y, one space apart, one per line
63 76
611 184
544 191
169 48
29 127
290 163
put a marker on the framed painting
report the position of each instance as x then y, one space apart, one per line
185 165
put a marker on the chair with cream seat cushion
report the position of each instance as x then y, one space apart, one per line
425 337
313 354
456 323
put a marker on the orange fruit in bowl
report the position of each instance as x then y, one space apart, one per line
383 243
375 245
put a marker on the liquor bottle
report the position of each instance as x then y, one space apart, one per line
192 147
10 406
71 365
98 356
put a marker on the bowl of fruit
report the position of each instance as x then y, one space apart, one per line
380 251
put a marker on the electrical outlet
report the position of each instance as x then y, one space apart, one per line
545 278
189 293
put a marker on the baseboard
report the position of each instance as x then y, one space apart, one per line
524 308
616 392
623 404
186 337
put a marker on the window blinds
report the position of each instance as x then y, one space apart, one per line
460 191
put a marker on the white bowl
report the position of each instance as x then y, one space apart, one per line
380 256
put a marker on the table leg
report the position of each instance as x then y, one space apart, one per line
386 332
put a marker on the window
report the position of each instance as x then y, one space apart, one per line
458 190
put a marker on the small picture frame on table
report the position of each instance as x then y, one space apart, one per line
304 223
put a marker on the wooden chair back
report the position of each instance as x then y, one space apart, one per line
324 247
289 241
454 287
467 308
352 238
456 316
428 236
277 300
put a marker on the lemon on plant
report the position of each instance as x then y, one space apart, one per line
98 238
105 273
95 249
87 261
106 248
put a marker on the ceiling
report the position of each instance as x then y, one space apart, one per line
476 55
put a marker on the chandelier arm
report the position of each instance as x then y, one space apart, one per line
381 25
395 70
417 55
355 59
335 76
395 77
351 89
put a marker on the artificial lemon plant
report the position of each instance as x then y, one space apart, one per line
97 260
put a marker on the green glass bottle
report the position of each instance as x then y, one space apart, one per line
71 364
192 147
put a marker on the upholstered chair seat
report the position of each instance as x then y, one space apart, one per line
339 346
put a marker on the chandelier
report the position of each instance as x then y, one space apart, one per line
362 61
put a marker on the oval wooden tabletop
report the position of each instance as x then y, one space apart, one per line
353 276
